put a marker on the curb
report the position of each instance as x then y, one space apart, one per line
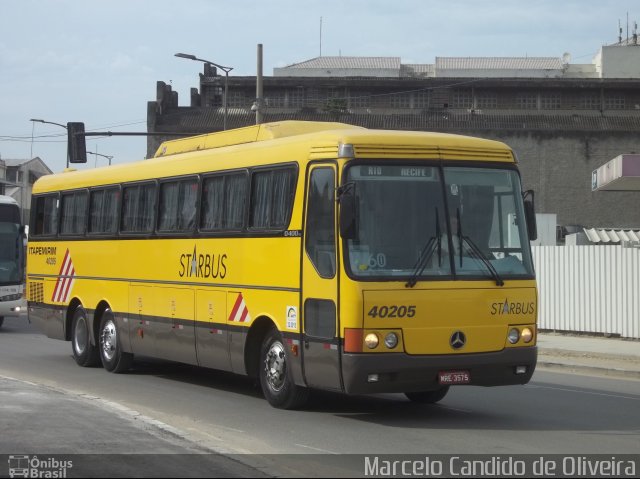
554 364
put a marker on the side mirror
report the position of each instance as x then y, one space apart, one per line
530 214
348 216
76 143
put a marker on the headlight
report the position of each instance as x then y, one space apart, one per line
371 340
11 297
527 335
513 335
391 340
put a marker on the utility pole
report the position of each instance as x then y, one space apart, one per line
259 86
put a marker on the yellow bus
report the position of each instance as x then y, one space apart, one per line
309 255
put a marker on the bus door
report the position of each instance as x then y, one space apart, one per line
320 326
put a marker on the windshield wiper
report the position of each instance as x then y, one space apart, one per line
432 245
479 255
476 252
423 259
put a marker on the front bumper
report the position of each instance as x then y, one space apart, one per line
401 372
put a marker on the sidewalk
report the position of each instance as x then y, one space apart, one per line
591 355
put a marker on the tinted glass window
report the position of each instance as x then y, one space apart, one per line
178 200
73 213
272 194
45 216
224 200
138 208
319 233
103 211
9 214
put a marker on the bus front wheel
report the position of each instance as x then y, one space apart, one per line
428 397
114 359
275 377
84 353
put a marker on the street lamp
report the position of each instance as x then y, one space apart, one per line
38 120
226 78
100 154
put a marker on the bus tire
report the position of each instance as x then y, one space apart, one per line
275 377
113 358
428 397
1 320
84 353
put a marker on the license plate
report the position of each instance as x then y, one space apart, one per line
454 377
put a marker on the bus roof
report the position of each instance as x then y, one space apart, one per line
7 200
249 134
279 142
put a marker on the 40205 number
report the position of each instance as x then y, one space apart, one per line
392 311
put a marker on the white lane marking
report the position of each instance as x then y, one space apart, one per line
316 449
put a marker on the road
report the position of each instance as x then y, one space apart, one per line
554 414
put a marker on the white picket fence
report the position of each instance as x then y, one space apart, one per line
589 289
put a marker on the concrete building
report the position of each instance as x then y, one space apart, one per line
563 120
17 178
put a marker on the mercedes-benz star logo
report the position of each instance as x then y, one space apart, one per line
458 340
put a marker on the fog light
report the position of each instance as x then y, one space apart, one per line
527 335
371 340
513 336
521 370
373 378
391 340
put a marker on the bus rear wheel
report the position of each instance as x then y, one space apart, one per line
428 397
114 359
84 353
275 376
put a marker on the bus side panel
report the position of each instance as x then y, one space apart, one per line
211 329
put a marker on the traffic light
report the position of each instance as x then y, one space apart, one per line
76 143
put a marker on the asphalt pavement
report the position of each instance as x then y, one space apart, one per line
48 421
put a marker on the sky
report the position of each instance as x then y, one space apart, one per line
98 62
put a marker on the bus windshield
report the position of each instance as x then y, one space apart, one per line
451 222
11 247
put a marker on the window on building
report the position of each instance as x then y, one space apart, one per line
360 99
275 100
401 100
237 99
550 101
421 99
295 98
590 101
527 101
461 99
615 102
486 101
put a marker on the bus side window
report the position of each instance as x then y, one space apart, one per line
138 208
224 199
46 216
320 230
272 193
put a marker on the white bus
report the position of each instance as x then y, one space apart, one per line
12 259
